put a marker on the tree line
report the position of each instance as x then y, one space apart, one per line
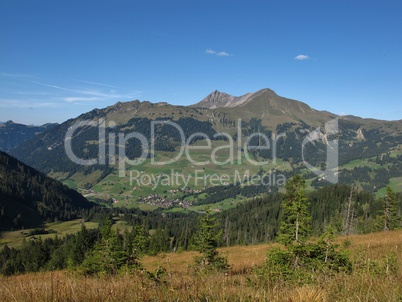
288 218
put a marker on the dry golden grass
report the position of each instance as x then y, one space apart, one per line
181 283
376 244
241 258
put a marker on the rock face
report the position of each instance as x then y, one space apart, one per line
219 99
266 105
264 97
360 135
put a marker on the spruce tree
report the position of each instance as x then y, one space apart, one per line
301 259
81 245
207 243
296 220
390 216
108 255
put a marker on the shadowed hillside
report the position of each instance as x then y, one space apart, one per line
28 198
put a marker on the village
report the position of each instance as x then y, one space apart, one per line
157 200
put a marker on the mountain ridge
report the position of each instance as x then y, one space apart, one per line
218 99
13 134
263 112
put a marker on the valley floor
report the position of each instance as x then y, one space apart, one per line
181 283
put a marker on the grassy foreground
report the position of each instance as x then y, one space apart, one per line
181 283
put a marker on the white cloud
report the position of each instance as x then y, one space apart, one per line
97 83
85 94
15 75
9 103
96 93
41 93
217 53
51 95
45 105
80 99
80 91
302 57
51 86
223 54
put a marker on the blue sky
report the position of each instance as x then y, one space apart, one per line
59 59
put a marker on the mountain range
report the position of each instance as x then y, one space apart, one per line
369 150
13 134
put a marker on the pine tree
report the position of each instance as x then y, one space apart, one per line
207 243
296 220
349 213
301 259
81 245
390 216
108 255
159 241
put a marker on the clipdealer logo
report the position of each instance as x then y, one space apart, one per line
237 150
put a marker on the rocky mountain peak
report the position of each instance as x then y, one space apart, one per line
216 99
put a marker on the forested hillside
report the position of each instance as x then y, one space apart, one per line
258 220
13 134
28 198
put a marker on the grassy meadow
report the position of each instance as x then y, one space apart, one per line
177 281
142 180
15 238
